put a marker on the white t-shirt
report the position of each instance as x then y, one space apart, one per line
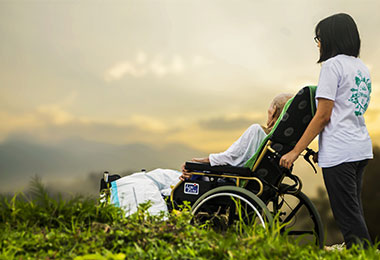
241 150
345 80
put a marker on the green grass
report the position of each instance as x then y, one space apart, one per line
37 226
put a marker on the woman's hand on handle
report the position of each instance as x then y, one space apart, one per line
288 159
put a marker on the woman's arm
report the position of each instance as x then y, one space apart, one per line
319 121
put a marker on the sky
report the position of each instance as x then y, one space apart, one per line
157 73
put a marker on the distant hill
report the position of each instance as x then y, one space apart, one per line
21 159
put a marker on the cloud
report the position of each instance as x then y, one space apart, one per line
42 115
148 123
158 66
54 122
54 114
120 69
17 122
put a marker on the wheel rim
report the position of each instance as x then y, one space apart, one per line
234 196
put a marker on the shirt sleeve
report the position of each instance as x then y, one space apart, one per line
241 150
328 81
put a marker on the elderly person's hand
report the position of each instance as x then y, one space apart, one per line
187 174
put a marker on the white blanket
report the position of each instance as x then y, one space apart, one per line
128 192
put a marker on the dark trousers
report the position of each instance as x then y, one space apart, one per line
344 183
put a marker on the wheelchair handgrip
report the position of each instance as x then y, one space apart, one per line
310 152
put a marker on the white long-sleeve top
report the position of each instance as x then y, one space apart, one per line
241 150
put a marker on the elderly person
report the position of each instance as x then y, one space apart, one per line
128 192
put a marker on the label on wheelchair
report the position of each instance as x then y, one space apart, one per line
191 188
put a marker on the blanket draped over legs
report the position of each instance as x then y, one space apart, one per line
130 191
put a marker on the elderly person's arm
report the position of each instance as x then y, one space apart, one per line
237 154
245 147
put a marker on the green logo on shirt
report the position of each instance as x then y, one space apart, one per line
361 94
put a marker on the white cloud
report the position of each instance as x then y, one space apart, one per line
54 114
158 66
120 69
148 123
39 117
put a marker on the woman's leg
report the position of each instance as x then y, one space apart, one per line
359 181
343 184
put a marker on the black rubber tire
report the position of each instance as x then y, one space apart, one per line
217 201
304 211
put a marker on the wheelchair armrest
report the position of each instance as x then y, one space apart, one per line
220 169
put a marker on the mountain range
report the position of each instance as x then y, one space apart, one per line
75 159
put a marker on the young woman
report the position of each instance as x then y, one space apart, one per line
342 97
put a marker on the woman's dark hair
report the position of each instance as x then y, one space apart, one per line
337 34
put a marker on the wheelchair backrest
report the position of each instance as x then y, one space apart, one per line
294 120
290 126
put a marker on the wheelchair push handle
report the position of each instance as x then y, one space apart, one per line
310 152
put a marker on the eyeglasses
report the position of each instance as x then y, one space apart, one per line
316 39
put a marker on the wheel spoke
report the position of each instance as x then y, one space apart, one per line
294 212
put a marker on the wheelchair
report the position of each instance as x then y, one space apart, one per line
259 191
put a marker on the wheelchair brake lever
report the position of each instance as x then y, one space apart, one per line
310 152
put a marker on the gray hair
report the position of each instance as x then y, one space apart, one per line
279 102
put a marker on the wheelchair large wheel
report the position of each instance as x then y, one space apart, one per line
300 217
224 206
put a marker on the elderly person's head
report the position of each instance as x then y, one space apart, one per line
275 109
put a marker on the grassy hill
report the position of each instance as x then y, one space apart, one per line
40 226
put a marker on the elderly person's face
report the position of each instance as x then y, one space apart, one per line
276 107
271 112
